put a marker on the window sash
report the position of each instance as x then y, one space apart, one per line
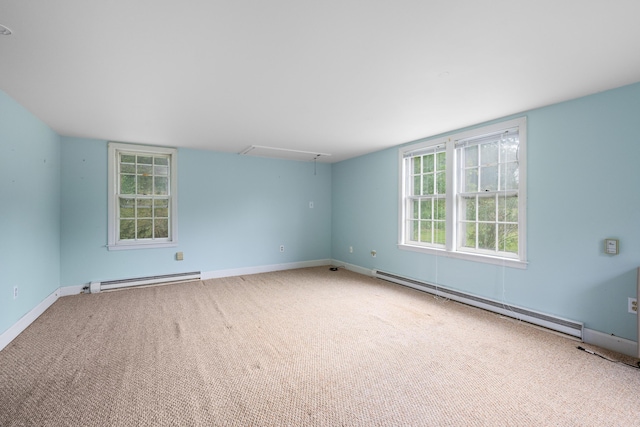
427 184
488 171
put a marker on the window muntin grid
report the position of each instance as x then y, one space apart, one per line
143 196
427 203
487 197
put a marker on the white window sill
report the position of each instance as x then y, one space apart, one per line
506 262
124 246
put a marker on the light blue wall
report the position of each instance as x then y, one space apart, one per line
234 212
583 180
29 211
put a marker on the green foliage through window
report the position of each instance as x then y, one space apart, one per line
143 196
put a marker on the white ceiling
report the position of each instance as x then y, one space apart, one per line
341 77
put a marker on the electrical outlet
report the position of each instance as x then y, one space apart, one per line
632 305
281 248
15 292
350 249
374 253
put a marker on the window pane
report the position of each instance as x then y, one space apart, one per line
427 163
145 160
161 170
509 150
127 158
127 184
417 162
439 232
425 232
427 184
468 209
508 209
127 229
508 238
470 180
161 208
161 161
486 209
127 208
417 189
414 229
488 178
471 156
441 161
161 185
144 208
145 228
441 183
161 228
425 209
415 209
145 184
470 235
440 208
487 236
126 168
145 170
509 176
489 153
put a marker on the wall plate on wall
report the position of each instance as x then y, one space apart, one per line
611 246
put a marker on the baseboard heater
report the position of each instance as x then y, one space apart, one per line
96 287
565 326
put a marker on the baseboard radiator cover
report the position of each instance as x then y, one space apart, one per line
96 287
558 324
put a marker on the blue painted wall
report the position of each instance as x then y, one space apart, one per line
233 212
583 180
29 211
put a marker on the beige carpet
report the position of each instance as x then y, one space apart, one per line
307 347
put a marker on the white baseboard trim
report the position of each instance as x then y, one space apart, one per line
65 291
352 267
589 336
610 342
263 269
22 324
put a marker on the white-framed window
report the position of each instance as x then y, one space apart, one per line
143 196
464 195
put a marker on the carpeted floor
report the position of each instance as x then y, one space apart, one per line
307 347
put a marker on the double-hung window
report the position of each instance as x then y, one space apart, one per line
465 195
426 198
142 196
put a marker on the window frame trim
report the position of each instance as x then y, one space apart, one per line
451 250
113 149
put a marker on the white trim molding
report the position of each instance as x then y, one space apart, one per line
353 267
26 320
65 291
216 274
113 225
610 342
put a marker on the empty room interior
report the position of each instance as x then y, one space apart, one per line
324 213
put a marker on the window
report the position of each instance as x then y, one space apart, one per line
142 196
464 195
